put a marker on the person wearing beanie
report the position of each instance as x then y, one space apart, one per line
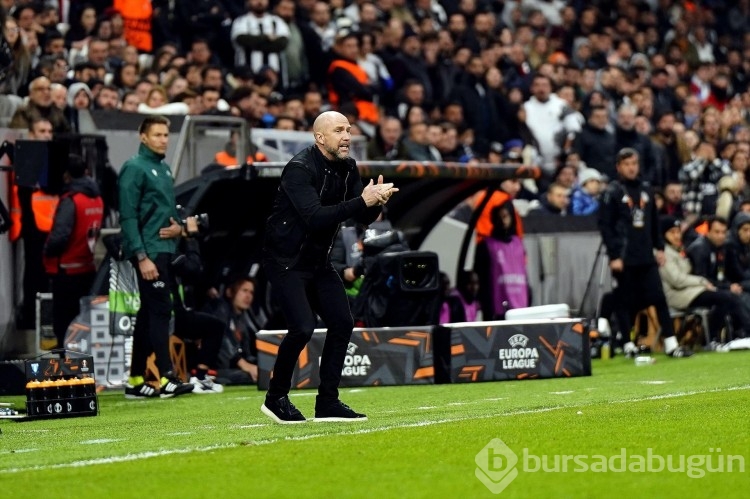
685 290
630 232
584 200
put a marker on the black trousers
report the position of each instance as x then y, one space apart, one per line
301 294
35 278
723 303
67 291
151 331
192 325
638 287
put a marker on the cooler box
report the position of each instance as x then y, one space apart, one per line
554 311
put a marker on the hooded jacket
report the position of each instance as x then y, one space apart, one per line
65 244
738 254
315 195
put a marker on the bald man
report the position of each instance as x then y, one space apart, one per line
320 188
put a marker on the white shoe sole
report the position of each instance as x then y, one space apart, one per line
268 412
339 420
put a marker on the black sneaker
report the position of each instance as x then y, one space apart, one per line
142 391
336 411
681 352
172 386
282 411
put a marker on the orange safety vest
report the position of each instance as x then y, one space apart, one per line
14 209
484 222
137 17
44 205
368 111
225 159
78 257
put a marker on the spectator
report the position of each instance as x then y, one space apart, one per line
295 73
584 200
627 136
480 107
673 150
685 290
40 106
673 200
699 179
108 98
20 70
125 77
207 20
544 118
385 144
259 37
59 94
348 82
129 102
416 146
596 144
81 29
554 202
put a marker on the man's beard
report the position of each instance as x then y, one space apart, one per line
258 11
334 151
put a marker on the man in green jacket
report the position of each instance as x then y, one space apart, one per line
150 230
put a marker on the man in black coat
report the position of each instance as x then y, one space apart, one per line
595 144
628 222
627 136
320 188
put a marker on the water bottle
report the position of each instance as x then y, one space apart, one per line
644 360
606 354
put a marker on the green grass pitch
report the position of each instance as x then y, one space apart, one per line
420 441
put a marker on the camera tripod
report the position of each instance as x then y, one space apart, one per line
600 260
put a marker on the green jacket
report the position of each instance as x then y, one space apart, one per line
146 202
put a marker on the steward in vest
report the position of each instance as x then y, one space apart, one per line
348 82
69 251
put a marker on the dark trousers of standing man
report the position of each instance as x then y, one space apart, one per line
67 291
302 293
638 287
151 332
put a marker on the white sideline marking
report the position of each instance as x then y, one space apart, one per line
179 433
19 451
427 407
101 441
655 382
564 392
361 431
245 426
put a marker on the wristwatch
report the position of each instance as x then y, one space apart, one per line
141 256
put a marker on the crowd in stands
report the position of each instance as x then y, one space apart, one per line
561 84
